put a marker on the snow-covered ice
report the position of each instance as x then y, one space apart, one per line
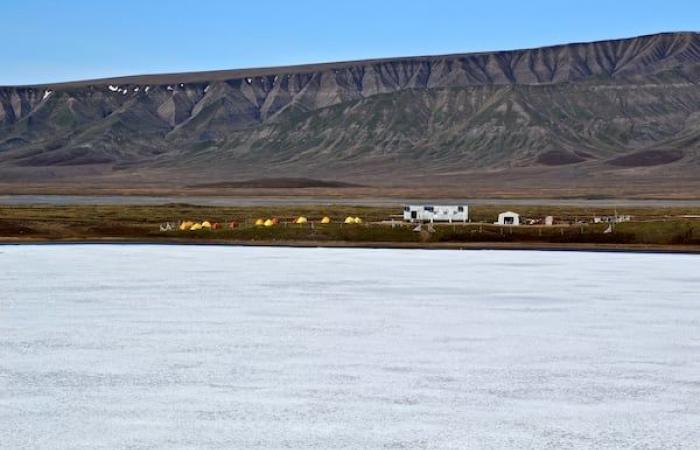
239 347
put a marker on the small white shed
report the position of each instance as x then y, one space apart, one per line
508 218
425 213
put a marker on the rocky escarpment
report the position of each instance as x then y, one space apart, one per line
591 105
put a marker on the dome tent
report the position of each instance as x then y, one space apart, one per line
269 223
358 220
301 220
260 222
196 227
206 224
326 220
184 226
349 220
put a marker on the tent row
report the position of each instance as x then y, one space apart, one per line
301 220
196 226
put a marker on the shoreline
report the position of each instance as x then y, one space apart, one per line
502 246
662 230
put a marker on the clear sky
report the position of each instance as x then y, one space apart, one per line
47 41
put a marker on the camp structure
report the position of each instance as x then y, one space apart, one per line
206 225
429 213
196 227
232 225
301 220
326 220
185 226
268 223
349 220
508 218
260 222
357 220
612 219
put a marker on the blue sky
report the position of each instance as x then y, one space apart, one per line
46 41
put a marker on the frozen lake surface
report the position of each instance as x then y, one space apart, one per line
232 347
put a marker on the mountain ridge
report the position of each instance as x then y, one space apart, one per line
228 74
622 108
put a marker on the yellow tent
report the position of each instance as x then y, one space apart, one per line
326 220
269 223
349 220
358 220
259 222
206 225
301 220
184 226
196 227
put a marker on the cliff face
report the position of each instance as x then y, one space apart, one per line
611 104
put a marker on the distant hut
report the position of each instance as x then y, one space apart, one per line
508 218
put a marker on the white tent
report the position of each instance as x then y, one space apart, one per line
508 218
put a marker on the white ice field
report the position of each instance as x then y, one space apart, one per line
232 347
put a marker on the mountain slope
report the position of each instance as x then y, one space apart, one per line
627 107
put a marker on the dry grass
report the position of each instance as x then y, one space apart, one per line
659 226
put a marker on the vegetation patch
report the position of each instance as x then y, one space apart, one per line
559 158
648 158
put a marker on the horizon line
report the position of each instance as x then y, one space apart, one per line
296 68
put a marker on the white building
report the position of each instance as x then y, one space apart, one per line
612 219
508 218
423 213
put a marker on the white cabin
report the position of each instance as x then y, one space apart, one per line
424 213
508 218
